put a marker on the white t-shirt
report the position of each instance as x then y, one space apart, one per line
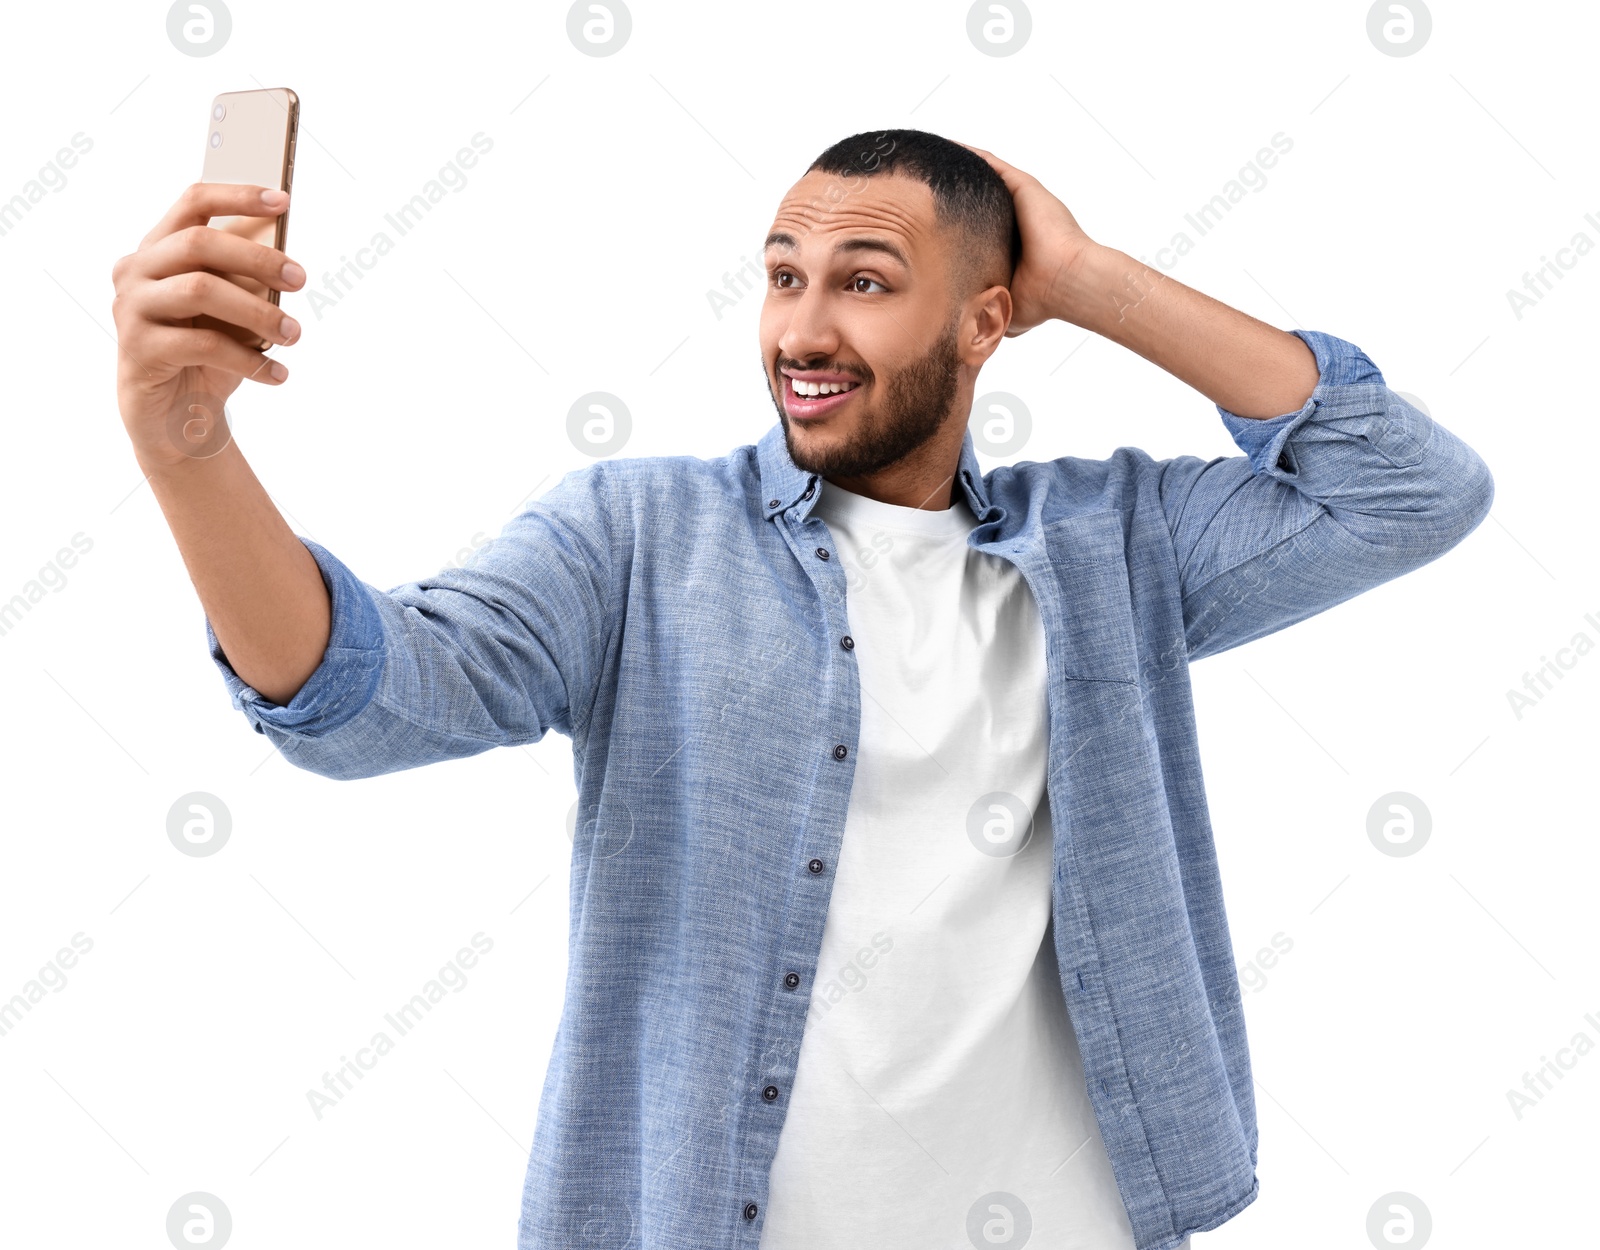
939 1087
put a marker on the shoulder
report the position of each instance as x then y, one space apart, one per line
1073 486
640 492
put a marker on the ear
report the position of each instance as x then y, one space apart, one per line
984 321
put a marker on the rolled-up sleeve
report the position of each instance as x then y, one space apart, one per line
346 679
494 653
1356 487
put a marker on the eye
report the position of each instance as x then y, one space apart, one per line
779 275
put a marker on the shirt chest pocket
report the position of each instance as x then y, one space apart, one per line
1093 629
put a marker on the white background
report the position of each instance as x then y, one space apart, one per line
428 404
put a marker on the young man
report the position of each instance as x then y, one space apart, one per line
895 914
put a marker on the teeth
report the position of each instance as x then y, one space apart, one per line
819 388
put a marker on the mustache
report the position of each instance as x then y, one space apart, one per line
850 371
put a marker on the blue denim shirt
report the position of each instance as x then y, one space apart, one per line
681 620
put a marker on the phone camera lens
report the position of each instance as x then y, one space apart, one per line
218 112
216 138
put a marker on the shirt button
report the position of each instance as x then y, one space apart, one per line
749 1210
809 490
791 980
840 751
773 503
822 553
815 866
770 1093
848 643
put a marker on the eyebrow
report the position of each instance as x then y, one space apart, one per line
781 239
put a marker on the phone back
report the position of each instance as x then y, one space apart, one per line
253 141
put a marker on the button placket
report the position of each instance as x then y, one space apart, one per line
828 814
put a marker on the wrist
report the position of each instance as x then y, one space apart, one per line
1101 286
169 463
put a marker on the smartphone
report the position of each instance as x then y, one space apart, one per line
250 137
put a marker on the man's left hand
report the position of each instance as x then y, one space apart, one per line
1053 245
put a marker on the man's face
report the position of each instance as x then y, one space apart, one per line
859 294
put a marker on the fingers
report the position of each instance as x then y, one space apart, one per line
194 294
178 277
202 201
182 345
201 247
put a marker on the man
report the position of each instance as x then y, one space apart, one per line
895 914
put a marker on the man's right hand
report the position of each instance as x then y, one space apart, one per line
170 373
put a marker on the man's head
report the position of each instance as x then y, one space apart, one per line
887 267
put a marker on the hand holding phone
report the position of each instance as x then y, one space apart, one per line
197 301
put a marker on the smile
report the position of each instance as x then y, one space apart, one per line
814 399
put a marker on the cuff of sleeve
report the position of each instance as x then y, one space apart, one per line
1339 364
346 679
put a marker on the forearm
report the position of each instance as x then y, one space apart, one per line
260 587
492 653
1248 367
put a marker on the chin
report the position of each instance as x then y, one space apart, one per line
809 447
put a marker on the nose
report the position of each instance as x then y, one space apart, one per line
810 332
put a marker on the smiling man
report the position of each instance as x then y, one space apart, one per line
895 911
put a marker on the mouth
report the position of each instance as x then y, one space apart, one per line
805 401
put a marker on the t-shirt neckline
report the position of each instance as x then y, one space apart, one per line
955 521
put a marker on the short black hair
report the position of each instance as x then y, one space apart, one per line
968 195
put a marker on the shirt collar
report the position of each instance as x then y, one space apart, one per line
785 485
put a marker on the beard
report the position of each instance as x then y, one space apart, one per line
914 404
